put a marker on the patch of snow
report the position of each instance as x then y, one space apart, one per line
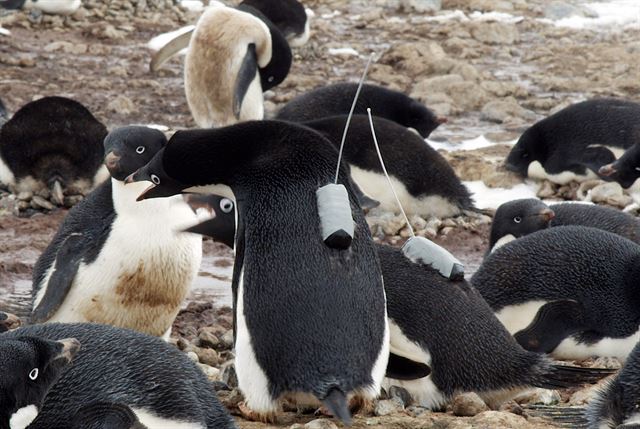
193 5
477 143
496 17
343 51
492 198
5 32
161 40
612 15
332 14
460 16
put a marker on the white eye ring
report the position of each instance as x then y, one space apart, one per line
637 168
226 205
140 149
517 219
33 374
270 79
155 179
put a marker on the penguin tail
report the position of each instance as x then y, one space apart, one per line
564 376
336 403
565 417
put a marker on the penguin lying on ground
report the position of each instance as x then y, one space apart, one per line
327 304
53 143
569 290
336 99
288 16
162 387
106 415
234 55
424 181
575 142
114 260
518 218
616 406
444 337
54 7
626 170
29 367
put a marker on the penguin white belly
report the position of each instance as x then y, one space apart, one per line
23 417
6 175
375 185
297 41
423 390
154 422
142 274
502 241
619 348
517 317
252 379
380 366
537 171
253 104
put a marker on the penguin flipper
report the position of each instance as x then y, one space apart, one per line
336 403
246 75
67 262
401 368
554 322
216 229
566 417
106 415
595 157
366 202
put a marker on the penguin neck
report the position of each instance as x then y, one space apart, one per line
125 204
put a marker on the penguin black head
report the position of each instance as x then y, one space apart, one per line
519 218
29 366
626 170
162 185
221 227
288 16
528 149
106 415
128 148
421 119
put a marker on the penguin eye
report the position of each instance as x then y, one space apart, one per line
637 168
226 205
33 374
270 79
140 149
155 179
517 219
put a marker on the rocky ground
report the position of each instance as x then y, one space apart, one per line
488 76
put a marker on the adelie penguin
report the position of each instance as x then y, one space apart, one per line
327 304
438 351
626 170
233 56
116 374
575 142
114 260
568 290
289 16
52 144
333 100
518 218
424 181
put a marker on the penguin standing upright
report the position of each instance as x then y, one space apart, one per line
424 181
336 99
52 143
116 261
113 372
571 291
327 305
289 16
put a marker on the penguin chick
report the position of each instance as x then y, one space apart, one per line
116 261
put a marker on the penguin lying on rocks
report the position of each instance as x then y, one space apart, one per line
154 380
575 142
567 290
234 55
625 170
114 260
284 274
518 218
336 99
444 337
53 144
424 181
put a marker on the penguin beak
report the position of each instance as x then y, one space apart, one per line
70 347
607 170
547 214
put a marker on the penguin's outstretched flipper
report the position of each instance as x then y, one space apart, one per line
565 417
336 403
401 368
66 266
554 322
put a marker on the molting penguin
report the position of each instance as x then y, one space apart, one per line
116 261
518 218
233 56
54 7
288 16
436 351
575 142
53 143
336 99
156 381
424 181
327 304
626 170
29 367
105 415
571 291
616 405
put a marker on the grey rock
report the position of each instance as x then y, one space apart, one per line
495 33
557 10
388 406
421 6
468 405
39 202
500 110
401 395
25 196
321 424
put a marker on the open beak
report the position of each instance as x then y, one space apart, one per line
547 214
143 195
70 346
607 170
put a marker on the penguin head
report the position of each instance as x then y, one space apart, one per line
529 148
162 185
519 218
126 149
421 119
221 222
29 366
289 16
626 170
106 415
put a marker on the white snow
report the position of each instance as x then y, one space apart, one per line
612 15
193 5
161 40
491 198
5 32
496 17
458 15
476 143
343 51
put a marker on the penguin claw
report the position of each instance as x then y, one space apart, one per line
251 415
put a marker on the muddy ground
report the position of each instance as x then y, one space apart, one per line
488 77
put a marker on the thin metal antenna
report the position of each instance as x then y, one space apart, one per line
375 141
353 106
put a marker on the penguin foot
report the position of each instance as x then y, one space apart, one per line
249 414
